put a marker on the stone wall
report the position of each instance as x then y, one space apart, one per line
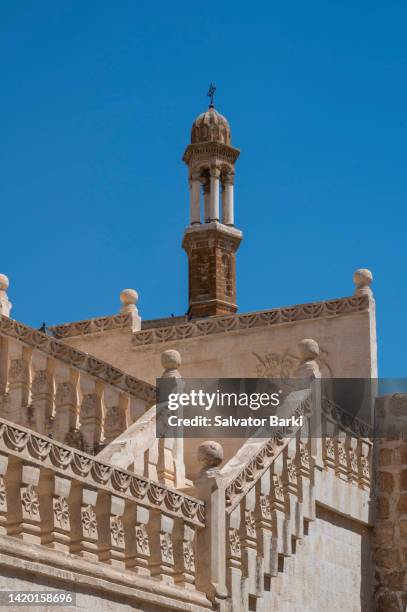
391 519
347 348
331 569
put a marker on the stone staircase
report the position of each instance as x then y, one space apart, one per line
239 539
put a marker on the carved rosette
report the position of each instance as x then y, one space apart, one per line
89 522
250 524
234 543
61 513
265 508
189 556
3 497
117 531
142 544
166 548
30 503
277 491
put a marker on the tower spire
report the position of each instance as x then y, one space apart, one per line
211 240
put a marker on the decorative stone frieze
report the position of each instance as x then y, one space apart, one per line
93 326
266 318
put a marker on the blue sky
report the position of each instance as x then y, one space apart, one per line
96 107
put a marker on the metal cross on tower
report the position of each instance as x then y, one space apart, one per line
211 94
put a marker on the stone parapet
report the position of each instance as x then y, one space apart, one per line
79 510
59 391
251 320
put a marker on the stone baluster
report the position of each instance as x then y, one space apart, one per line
160 534
4 350
84 526
341 467
66 423
42 397
129 299
305 467
364 455
248 540
19 383
3 495
184 554
281 544
211 544
23 519
91 413
5 304
234 558
109 513
294 505
214 194
264 521
55 492
115 415
351 445
137 545
329 445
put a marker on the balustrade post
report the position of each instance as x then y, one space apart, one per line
263 520
211 545
84 526
109 513
19 384
56 523
3 495
234 558
184 554
65 426
160 532
137 545
42 393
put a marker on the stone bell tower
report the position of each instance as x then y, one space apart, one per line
211 240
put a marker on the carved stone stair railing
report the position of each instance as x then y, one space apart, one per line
59 391
257 514
79 510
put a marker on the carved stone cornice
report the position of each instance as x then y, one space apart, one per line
77 359
213 150
92 326
265 318
41 450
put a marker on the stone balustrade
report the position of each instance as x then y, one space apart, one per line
59 391
63 499
260 504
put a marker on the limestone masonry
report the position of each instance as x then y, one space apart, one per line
93 503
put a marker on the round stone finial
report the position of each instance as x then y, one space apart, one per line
210 454
363 279
170 359
4 283
309 349
129 297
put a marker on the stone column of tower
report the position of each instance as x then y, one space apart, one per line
211 240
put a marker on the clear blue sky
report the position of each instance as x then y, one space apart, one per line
96 107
